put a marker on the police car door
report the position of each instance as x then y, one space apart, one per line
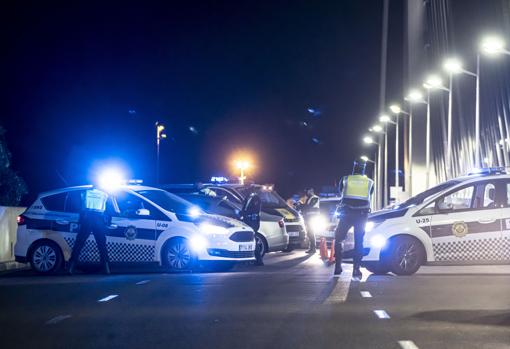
466 225
132 234
505 222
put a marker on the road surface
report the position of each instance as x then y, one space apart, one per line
292 302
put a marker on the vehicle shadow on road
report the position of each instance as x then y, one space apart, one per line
289 263
476 317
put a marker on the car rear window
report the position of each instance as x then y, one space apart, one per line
55 202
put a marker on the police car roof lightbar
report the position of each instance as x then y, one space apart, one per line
487 171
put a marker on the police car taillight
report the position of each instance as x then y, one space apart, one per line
281 223
20 220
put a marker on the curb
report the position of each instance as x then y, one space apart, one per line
12 265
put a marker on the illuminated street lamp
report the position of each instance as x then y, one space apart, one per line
433 82
377 167
414 96
386 119
160 128
452 66
491 46
242 165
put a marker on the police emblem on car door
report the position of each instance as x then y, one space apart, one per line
132 234
466 225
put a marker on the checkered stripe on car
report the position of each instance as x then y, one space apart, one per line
491 249
117 252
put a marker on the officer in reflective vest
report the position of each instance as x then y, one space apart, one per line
92 220
310 208
356 191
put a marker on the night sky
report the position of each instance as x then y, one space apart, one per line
84 83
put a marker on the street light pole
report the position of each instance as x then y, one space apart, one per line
385 198
453 66
449 131
477 113
427 144
159 135
377 164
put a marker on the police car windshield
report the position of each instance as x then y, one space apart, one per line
167 201
418 199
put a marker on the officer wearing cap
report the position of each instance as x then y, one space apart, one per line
93 219
356 191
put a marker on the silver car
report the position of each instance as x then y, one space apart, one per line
272 235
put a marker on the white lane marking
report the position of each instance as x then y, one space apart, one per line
57 319
365 294
381 314
407 345
143 282
341 289
108 298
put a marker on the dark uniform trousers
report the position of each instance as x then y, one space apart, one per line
95 223
356 218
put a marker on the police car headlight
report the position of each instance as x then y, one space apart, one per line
194 212
378 241
210 229
318 223
197 243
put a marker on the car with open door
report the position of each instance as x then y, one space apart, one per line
462 221
153 226
272 203
271 236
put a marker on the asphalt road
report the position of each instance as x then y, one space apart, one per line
292 302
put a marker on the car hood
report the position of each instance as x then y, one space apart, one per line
286 212
383 215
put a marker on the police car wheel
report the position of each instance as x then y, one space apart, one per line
260 244
46 257
178 256
405 255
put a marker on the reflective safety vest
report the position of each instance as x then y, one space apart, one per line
357 187
95 200
313 201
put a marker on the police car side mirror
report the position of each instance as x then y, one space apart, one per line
143 212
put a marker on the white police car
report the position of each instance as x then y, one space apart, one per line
153 226
462 221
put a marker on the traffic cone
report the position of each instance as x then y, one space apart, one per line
323 249
332 254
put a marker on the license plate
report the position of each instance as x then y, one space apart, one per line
293 233
246 247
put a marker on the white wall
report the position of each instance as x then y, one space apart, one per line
8 227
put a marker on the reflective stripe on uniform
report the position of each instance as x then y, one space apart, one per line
95 200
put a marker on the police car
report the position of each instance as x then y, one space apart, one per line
152 226
462 221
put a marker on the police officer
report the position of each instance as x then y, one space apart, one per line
92 220
309 208
356 191
250 214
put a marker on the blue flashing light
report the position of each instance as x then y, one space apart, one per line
487 171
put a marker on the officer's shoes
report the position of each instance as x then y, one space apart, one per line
356 273
311 251
259 263
338 271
